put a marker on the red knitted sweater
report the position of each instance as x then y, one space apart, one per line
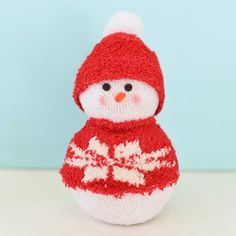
118 158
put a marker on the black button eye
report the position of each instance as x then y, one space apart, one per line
128 87
106 87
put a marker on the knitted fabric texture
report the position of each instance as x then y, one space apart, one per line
117 158
120 55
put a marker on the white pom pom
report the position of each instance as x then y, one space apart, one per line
126 22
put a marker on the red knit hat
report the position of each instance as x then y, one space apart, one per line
118 56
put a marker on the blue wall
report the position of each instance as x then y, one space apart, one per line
42 44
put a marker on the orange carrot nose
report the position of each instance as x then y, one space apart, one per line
119 96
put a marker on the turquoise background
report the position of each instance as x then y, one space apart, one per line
42 44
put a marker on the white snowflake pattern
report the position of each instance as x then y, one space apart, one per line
95 159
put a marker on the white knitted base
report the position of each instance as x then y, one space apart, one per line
128 210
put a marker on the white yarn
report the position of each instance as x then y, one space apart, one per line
122 111
126 22
130 209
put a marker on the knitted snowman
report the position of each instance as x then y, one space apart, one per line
121 166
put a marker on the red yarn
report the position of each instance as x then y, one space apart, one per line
120 55
151 138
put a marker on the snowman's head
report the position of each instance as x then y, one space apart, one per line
121 79
120 100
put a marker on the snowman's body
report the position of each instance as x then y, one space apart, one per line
128 210
121 165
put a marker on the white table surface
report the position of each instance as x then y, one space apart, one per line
35 202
